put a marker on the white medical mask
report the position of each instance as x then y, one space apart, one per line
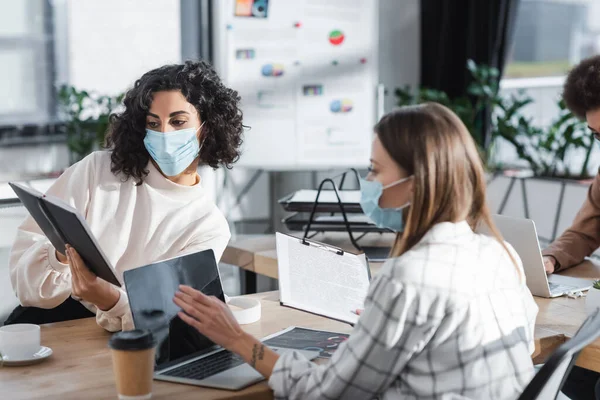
370 193
173 151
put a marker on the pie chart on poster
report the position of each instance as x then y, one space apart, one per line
336 37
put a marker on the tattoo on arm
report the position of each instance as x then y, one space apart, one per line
258 353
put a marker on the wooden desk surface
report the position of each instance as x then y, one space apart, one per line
559 319
81 363
80 366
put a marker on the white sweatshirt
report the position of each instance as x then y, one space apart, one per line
134 226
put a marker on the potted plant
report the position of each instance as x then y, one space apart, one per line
545 151
85 115
481 95
592 301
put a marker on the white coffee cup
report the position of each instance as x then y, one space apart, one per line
19 341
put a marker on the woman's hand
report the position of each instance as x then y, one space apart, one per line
89 287
61 257
210 316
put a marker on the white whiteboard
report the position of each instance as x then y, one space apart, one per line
307 75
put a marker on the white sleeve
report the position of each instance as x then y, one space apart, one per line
214 236
36 275
117 318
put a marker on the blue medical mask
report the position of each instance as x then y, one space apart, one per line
173 151
391 218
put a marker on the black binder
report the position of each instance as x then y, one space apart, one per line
62 224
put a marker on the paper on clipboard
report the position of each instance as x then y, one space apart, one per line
321 280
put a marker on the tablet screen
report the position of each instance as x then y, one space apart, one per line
151 290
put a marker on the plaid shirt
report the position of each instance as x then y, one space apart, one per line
450 319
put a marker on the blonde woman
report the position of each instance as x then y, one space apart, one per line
448 316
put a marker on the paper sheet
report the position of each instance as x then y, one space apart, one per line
353 219
321 281
327 196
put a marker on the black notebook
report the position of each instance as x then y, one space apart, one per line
62 224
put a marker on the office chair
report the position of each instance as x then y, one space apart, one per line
546 384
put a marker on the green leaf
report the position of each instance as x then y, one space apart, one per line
472 66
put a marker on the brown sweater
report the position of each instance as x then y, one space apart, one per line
583 237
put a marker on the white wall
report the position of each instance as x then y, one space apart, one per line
113 42
102 46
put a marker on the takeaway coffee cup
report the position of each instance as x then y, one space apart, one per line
133 363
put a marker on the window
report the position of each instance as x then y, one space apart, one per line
26 57
553 35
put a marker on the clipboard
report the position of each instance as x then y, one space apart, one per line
63 224
321 279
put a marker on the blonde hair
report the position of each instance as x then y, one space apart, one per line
431 143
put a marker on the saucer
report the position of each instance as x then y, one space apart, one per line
41 355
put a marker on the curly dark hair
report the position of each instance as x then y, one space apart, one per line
217 105
582 87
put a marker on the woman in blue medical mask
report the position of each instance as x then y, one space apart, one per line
447 316
142 198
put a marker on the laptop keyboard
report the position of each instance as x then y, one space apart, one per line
208 366
558 288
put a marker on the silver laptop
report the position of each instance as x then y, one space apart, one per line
522 236
183 355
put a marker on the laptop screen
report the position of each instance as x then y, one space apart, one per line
151 290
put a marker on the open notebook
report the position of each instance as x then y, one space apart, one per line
321 279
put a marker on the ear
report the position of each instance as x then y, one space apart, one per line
411 185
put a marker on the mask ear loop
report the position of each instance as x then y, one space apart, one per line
398 182
203 138
402 207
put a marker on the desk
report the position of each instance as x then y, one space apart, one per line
558 319
81 364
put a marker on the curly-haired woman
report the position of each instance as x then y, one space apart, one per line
143 199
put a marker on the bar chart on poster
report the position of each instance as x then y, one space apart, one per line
306 71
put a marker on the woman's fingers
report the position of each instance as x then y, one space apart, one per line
190 321
82 269
196 295
72 264
195 312
186 298
75 276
